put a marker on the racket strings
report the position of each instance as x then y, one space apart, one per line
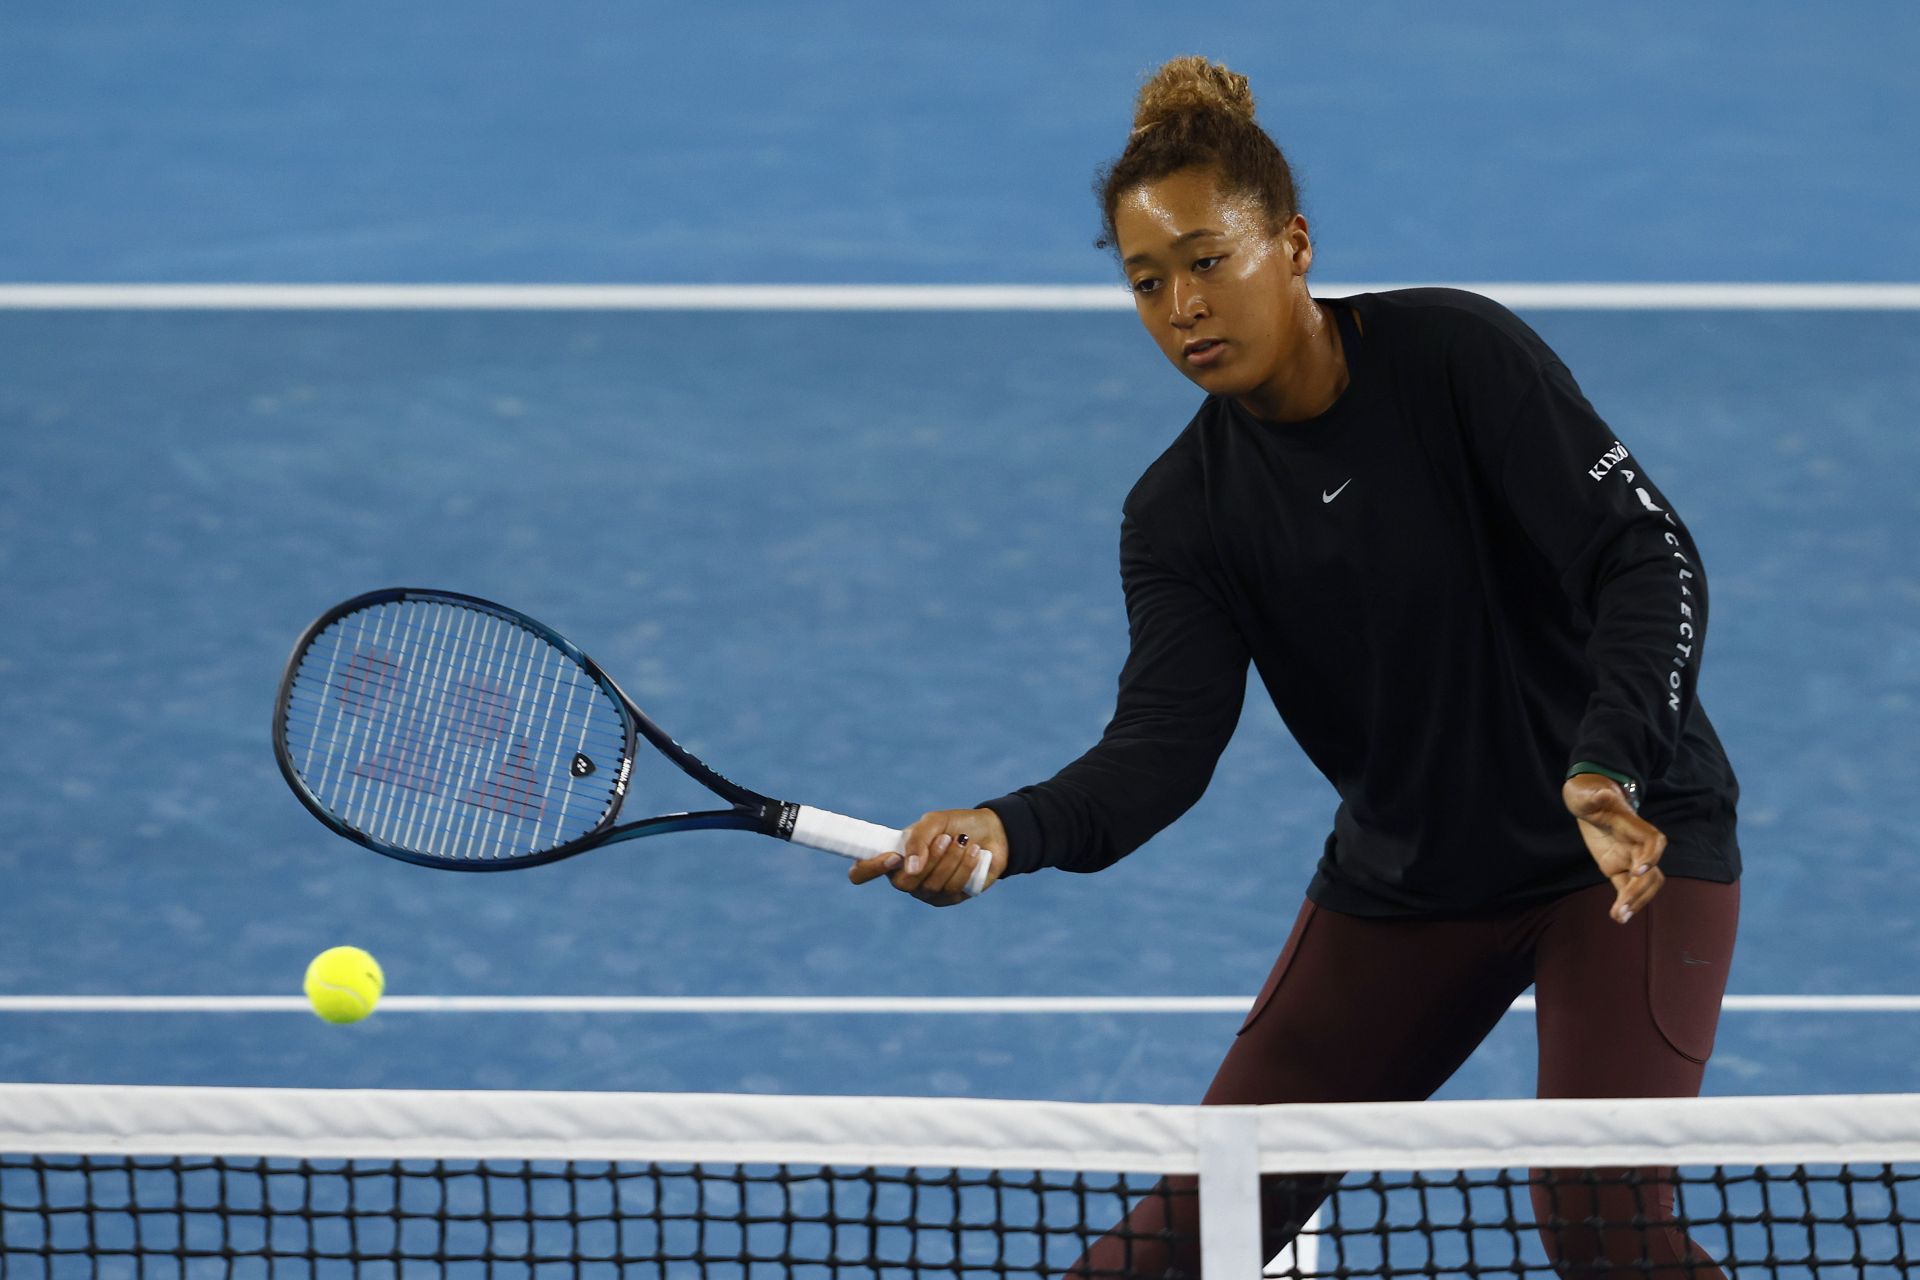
451 732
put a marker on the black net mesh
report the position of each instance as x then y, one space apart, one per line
147 1216
1797 1221
189 1217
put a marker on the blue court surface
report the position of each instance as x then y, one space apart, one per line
860 559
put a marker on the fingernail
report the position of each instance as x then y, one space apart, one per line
1626 914
940 845
894 860
1643 868
913 865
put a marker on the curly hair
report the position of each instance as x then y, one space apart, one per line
1193 113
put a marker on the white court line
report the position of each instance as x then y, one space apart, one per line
788 1005
1574 296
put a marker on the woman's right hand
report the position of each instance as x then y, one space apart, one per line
941 852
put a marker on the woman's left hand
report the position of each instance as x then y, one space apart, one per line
1625 845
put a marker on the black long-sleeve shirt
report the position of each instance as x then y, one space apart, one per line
1454 583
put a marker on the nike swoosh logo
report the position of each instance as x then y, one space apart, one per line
1329 497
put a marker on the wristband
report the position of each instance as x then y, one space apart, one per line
1627 784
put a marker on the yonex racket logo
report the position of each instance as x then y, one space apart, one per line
582 767
620 783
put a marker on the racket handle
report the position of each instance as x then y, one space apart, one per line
852 838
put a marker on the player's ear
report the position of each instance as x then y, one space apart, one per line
1297 244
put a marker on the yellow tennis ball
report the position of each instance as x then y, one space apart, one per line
344 984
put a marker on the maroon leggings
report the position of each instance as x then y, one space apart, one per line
1374 1010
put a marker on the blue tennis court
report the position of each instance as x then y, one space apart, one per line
859 558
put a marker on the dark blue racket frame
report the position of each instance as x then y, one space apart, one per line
750 810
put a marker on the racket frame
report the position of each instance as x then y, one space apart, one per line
749 811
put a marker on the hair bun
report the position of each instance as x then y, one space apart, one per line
1191 86
1192 113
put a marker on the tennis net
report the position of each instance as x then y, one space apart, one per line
155 1181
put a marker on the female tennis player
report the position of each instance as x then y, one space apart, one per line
1482 621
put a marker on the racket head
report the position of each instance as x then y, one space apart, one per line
452 732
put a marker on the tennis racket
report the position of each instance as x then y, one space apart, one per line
452 732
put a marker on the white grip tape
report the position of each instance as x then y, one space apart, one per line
852 838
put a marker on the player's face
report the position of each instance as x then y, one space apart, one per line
1219 288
